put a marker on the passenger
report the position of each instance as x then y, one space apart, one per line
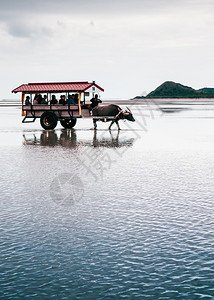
62 100
39 99
27 100
44 100
54 100
35 100
71 99
95 101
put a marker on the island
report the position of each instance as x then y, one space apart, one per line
170 89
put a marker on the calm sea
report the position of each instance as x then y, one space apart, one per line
100 215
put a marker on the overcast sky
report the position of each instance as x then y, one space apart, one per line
128 46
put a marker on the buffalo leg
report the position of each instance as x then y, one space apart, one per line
95 124
117 125
112 122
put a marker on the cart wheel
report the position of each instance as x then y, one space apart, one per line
68 123
48 120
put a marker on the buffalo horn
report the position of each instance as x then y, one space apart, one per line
128 109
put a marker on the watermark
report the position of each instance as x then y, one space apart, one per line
101 155
66 189
96 163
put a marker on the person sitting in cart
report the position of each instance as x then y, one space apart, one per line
71 99
95 101
36 99
44 100
53 100
27 100
62 100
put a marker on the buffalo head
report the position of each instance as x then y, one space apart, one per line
127 114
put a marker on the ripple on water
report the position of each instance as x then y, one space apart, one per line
143 231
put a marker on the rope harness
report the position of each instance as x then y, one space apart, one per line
118 114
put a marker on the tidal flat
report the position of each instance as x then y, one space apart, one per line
108 215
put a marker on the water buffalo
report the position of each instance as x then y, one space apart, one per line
111 113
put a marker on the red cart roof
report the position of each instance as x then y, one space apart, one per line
54 87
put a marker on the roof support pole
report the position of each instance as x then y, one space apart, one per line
80 113
23 99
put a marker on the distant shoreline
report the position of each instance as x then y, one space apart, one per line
168 101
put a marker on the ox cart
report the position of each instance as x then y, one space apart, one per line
49 112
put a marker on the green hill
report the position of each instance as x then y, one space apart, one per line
207 90
170 89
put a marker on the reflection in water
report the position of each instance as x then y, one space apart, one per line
68 138
111 141
143 229
48 138
173 109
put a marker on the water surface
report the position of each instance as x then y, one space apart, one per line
100 215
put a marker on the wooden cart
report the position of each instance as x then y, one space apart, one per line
49 113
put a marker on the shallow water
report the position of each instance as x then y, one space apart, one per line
88 215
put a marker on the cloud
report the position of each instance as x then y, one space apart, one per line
81 6
125 42
103 7
19 30
29 18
